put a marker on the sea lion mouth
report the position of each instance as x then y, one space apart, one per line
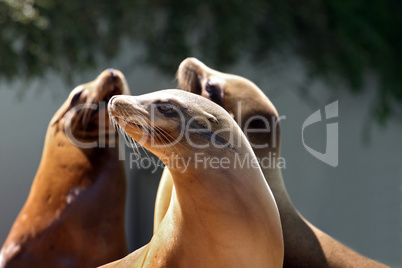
141 127
158 135
116 115
115 91
90 114
111 84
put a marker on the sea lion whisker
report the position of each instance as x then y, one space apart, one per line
165 135
174 144
141 126
131 142
145 151
127 139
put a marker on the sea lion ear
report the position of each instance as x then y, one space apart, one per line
211 118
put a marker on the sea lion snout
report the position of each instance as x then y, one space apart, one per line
194 76
112 82
111 71
118 102
189 75
113 106
127 109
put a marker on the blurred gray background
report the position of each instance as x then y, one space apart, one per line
358 202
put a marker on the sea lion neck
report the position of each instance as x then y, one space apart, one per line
219 218
74 169
215 191
223 195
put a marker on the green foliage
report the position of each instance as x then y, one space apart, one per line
338 40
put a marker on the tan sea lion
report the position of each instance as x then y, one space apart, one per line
305 245
74 214
219 216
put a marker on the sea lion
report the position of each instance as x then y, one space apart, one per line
74 214
305 245
219 216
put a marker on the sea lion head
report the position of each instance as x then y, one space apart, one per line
244 101
173 122
83 116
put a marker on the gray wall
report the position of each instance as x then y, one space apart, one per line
358 202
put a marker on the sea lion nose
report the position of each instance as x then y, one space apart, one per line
112 72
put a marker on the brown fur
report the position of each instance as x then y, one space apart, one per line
74 214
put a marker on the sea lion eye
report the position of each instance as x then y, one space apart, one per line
166 109
209 87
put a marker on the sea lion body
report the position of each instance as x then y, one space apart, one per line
217 217
305 245
74 214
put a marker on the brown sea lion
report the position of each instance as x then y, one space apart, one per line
305 245
220 214
74 214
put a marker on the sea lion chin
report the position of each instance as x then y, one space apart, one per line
74 214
